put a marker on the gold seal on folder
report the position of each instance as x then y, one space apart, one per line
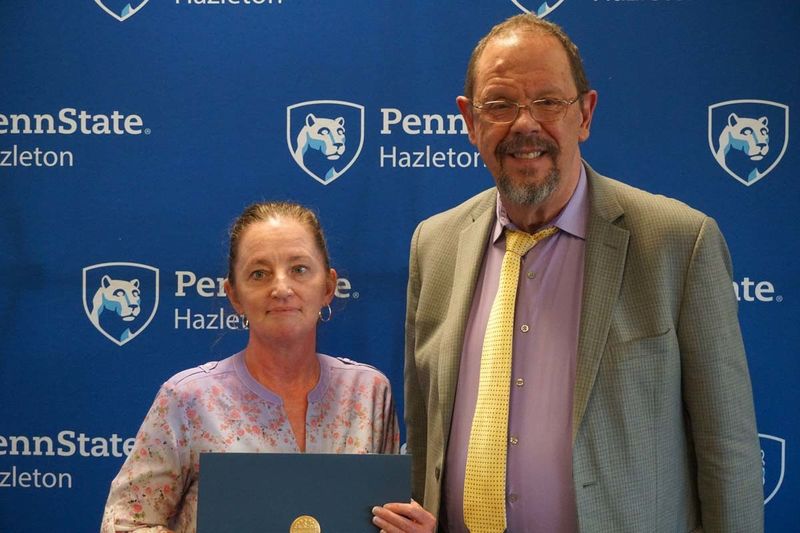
305 524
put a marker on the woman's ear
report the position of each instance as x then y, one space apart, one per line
233 298
330 286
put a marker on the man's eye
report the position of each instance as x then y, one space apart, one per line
300 269
547 104
498 106
258 274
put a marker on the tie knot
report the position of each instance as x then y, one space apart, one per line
520 242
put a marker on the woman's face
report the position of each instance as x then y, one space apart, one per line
281 282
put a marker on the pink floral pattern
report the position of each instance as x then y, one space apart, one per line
219 407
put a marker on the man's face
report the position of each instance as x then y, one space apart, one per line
532 162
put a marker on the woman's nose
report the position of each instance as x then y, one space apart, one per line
282 287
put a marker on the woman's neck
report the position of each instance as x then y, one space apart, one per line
285 370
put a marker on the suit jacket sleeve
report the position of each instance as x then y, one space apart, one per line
717 392
415 409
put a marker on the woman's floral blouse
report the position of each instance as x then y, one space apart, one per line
220 407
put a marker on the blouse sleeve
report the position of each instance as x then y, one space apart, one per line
390 441
149 488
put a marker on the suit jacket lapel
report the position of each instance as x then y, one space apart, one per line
604 263
471 247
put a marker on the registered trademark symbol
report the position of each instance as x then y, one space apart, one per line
779 298
356 295
147 131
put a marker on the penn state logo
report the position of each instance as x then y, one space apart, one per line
773 464
120 299
325 137
748 137
538 7
121 9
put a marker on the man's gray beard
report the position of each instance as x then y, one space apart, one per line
529 195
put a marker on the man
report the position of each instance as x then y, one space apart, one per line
624 403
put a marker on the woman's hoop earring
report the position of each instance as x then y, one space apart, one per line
323 318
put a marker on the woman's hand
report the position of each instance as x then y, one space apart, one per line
403 518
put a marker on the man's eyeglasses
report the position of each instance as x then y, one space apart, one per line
542 110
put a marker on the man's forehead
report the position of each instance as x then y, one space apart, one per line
520 37
500 52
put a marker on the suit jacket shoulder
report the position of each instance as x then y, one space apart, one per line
610 199
456 218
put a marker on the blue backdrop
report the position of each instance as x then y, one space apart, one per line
130 137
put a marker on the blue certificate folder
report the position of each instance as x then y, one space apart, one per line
266 492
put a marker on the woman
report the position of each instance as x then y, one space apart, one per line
278 395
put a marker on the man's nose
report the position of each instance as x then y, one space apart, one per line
525 122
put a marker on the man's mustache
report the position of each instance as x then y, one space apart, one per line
528 143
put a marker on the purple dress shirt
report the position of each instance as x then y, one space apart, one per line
540 496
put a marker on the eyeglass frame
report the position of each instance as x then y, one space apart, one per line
529 107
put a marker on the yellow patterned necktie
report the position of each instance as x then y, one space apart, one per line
485 479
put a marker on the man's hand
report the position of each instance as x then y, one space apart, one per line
403 518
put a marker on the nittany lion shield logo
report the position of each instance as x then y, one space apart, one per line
748 137
325 137
121 9
773 464
120 299
539 8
